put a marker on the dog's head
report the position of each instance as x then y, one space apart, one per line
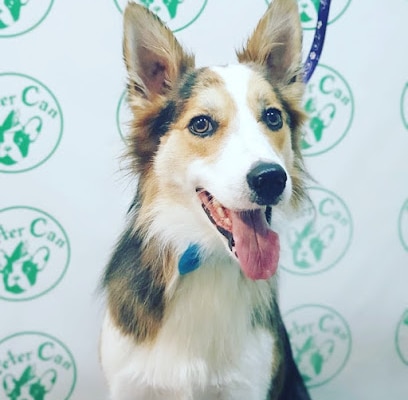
217 148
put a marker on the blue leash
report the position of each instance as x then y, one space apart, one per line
318 41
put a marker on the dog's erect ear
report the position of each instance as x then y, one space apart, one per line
276 43
153 57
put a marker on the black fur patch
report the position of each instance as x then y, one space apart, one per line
186 88
126 266
293 387
160 125
134 293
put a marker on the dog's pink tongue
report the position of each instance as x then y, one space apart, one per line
257 246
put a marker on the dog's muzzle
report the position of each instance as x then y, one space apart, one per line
267 182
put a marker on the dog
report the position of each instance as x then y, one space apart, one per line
29 386
20 269
191 287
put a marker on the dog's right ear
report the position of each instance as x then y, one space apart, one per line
153 57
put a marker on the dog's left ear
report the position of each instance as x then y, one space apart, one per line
153 56
276 43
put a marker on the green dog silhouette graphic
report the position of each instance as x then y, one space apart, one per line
405 319
10 12
164 9
311 357
308 245
319 121
29 386
15 139
308 10
20 270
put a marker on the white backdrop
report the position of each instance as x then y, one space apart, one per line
64 194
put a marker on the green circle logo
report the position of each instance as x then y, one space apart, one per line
320 340
329 104
401 338
31 123
309 10
123 116
21 16
404 106
177 14
34 253
319 236
403 225
36 366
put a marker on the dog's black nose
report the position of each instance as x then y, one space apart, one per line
267 182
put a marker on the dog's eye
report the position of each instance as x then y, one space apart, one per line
202 126
273 119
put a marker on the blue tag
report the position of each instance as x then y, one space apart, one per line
190 260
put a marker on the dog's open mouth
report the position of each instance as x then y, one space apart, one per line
248 234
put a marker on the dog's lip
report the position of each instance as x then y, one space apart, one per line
218 214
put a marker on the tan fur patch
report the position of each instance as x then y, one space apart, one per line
291 97
262 96
209 98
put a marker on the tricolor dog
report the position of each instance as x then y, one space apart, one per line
192 302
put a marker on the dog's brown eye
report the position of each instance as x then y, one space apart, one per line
273 118
202 126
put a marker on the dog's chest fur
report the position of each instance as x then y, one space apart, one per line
210 344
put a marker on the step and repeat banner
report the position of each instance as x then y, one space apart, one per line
64 190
